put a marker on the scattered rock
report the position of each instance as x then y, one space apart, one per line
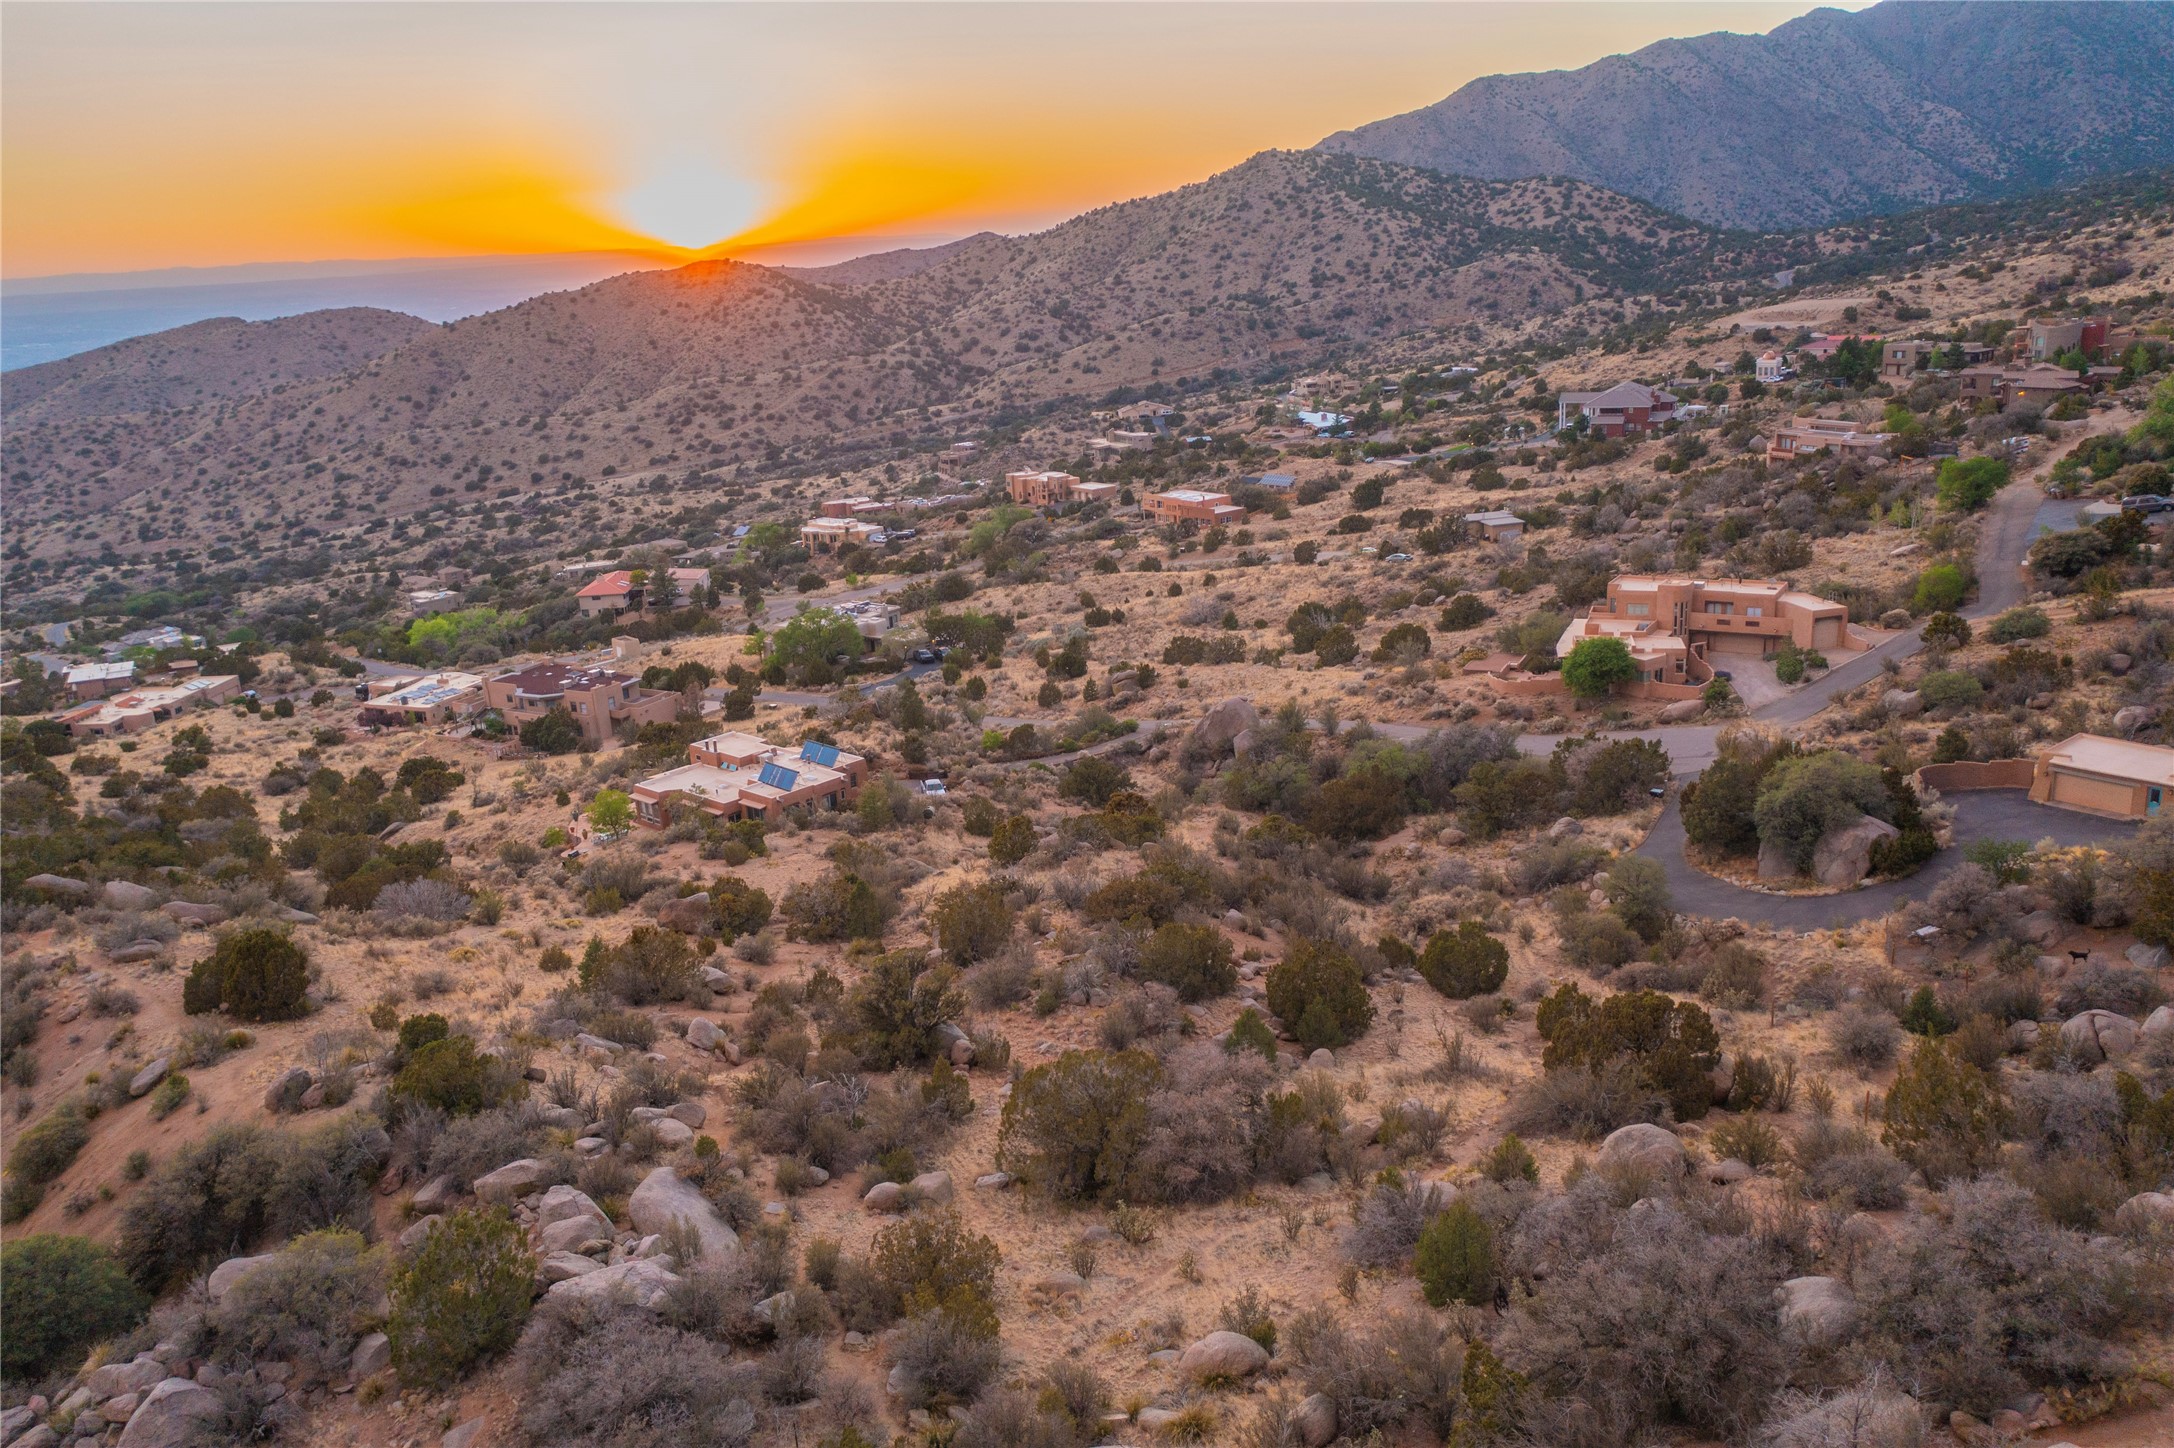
1817 1311
557 1267
372 1355
1642 1147
702 1033
1222 725
59 885
294 917
126 895
1679 712
997 1181
1903 703
590 1146
418 1230
2023 1036
573 1234
885 1197
2147 1209
720 981
137 950
2160 1023
933 1187
2133 718
1222 1354
642 1281
688 914
1844 856
148 1077
1322 1059
114 1379
513 1180
2119 664
1052 1285
2147 957
464 1436
232 1270
596 1045
434 1195
1314 1421
2099 1035
169 1415
671 1133
287 1088
1564 828
666 1202
1728 1172
771 1308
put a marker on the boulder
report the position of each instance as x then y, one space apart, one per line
933 1188
997 1181
1727 1172
702 1033
672 1133
293 916
1844 856
1816 1311
126 895
1775 863
691 1113
2133 718
1222 1354
2119 664
412 1237
189 912
885 1197
1903 703
1564 828
641 1281
1314 1420
464 1435
1642 1147
148 1077
557 1267
573 1234
2147 1209
139 1376
287 1088
169 1416
1222 725
372 1356
1052 1285
720 981
2147 957
1323 1059
596 1045
434 1196
2041 928
59 885
2023 1036
512 1181
666 1203
688 914
2159 1024
1680 712
232 1270
136 951
2099 1035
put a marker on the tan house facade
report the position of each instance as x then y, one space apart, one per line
2103 776
828 535
1190 505
733 776
1804 437
433 699
139 709
1049 489
599 701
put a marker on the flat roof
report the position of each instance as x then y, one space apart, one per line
431 692
2118 758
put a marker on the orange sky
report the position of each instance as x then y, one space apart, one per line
136 136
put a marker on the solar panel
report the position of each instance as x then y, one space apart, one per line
817 752
777 776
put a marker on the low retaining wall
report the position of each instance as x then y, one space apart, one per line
1996 774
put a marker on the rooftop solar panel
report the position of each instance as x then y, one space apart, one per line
777 776
817 752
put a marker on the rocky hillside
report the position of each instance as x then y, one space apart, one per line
1285 259
1829 116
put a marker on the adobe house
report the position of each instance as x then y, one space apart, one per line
139 709
1802 437
733 775
1497 526
828 535
436 698
599 701
2097 775
614 592
1190 505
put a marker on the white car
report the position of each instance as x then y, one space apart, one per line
932 786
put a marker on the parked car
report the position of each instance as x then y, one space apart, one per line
932 786
2146 503
1398 558
924 656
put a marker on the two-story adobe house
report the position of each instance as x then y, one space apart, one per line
732 776
599 701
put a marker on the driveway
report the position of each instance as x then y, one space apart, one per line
1984 814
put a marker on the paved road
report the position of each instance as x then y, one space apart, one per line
1988 814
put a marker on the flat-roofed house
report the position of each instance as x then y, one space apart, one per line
828 535
1626 408
599 701
1496 526
1727 615
2103 776
1190 505
732 775
139 709
436 698
1771 367
1801 437
2040 383
1900 361
95 681
850 507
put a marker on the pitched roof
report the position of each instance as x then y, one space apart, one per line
614 584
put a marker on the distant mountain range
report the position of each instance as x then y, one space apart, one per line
1830 116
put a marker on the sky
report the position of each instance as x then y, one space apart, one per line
178 134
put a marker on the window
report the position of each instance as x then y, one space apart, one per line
1721 608
1754 611
1638 610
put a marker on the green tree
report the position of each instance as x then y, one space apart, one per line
972 922
63 1294
1947 630
1965 485
255 974
1943 1115
1597 666
1940 588
611 812
739 908
1093 780
1673 1044
1637 890
1012 840
1801 799
1319 993
461 1298
1510 1161
1074 1128
1465 962
912 712
450 1076
1193 960
815 637
1455 1258
553 732
900 1008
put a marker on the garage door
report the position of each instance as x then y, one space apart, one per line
2079 792
1721 643
1826 633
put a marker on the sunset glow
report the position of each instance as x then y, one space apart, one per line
198 134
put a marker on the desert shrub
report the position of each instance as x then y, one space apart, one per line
1637 891
1014 1419
1546 866
1092 780
309 1305
1403 1368
1612 777
1465 962
1942 630
1950 689
927 1262
1598 942
1860 1173
838 906
650 966
471 1146
1988 1297
1673 1044
1317 991
949 1355
1869 1414
1248 1316
49 1148
255 974
1943 1115
1586 1102
1386 1225
1802 798
1736 977
1497 796
1510 1161
1074 1128
1747 1139
972 922
604 1376
63 1294
1012 840
452 1077
1455 1258
1002 981
979 815
1466 610
1864 1037
1193 960
899 1007
738 907
1647 1319
1251 1032
1203 1122
2018 624
2123 989
423 899
461 1298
